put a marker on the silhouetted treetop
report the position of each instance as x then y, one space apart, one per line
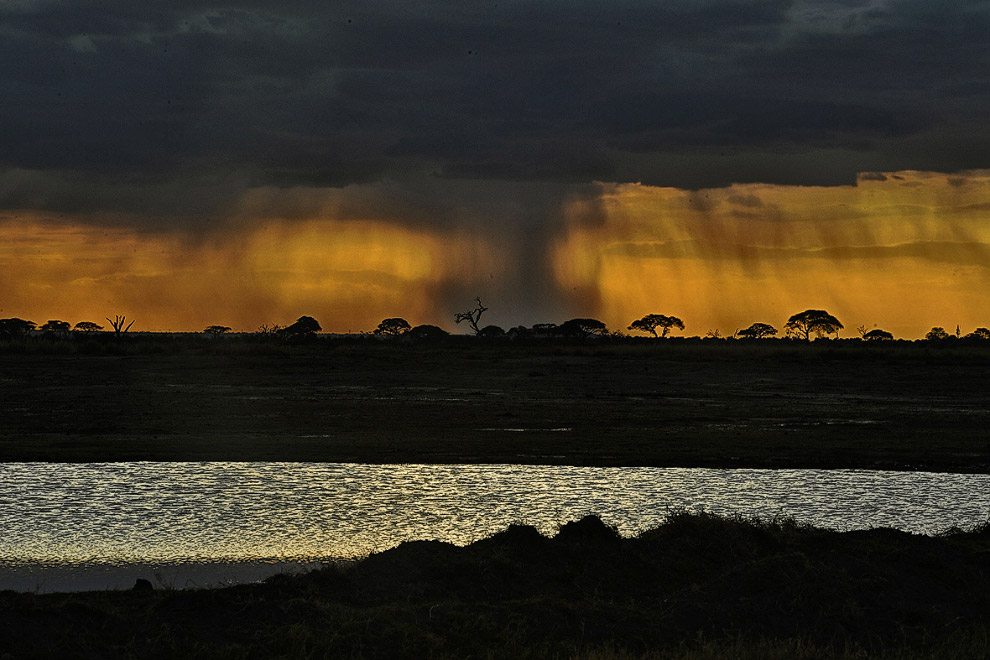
651 322
580 328
491 331
758 331
816 321
979 333
217 329
426 332
877 335
56 327
15 327
544 329
304 325
937 333
87 326
392 327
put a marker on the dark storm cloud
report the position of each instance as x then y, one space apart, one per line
124 102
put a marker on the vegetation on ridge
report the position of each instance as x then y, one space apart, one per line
698 586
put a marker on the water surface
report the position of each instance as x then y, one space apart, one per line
250 519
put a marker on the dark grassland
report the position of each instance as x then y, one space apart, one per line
696 587
897 405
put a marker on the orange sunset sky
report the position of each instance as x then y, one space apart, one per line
903 251
726 161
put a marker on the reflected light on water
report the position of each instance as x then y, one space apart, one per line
129 513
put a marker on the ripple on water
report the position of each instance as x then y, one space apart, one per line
132 513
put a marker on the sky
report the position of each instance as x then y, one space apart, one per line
724 161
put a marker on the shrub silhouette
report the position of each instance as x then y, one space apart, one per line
937 333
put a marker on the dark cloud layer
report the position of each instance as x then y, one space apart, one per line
118 104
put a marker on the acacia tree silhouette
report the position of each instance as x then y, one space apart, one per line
651 322
472 316
304 326
217 329
757 331
877 335
15 327
56 327
393 327
818 321
581 328
87 326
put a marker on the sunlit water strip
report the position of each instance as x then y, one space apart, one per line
250 515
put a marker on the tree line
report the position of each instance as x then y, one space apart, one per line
804 325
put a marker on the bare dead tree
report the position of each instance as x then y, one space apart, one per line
118 324
472 316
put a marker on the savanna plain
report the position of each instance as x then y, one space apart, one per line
698 586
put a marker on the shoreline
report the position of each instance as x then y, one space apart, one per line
694 584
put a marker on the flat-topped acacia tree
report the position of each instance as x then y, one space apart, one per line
877 335
809 321
15 327
305 326
651 322
393 327
217 329
581 328
757 331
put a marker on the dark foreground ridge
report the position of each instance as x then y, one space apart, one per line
698 586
